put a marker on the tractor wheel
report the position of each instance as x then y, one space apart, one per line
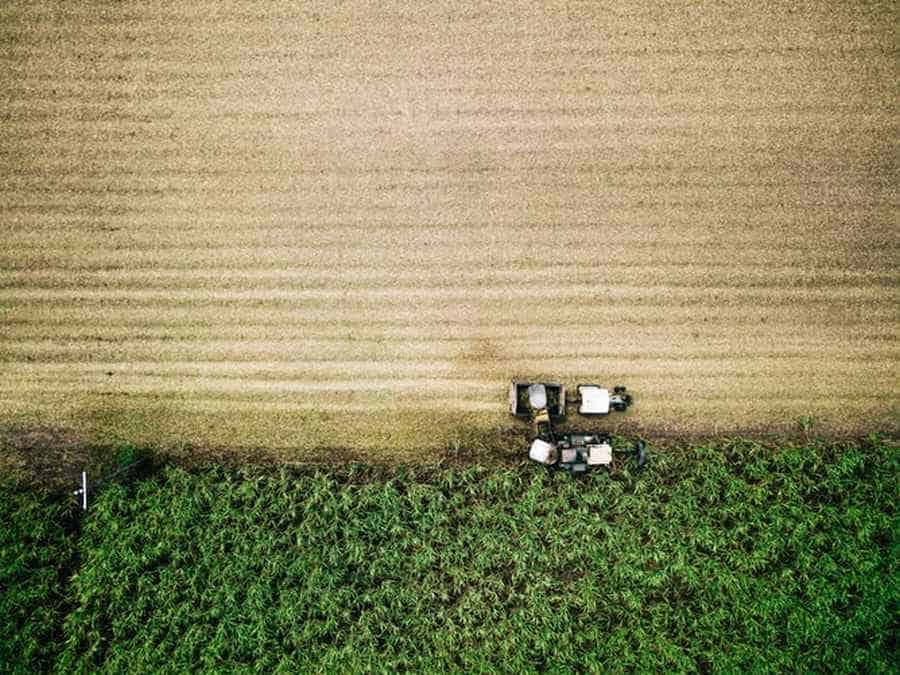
619 389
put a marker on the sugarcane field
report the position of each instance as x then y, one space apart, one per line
496 337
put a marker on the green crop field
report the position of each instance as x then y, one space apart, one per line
729 557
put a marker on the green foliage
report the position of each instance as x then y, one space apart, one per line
727 558
37 549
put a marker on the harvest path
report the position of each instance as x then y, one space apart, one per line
350 226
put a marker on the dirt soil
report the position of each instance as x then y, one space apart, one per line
350 224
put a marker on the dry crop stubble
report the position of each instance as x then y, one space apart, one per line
348 226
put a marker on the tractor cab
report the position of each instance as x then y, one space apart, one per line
595 400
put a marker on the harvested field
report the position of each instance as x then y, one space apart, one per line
348 226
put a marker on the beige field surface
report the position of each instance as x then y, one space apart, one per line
348 225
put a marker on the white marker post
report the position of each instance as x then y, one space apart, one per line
83 490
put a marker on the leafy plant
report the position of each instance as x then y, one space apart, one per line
37 552
727 557
806 423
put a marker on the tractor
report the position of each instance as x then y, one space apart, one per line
576 452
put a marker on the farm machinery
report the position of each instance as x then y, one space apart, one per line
576 452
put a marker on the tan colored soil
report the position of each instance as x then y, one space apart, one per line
349 224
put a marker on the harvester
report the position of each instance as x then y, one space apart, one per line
577 452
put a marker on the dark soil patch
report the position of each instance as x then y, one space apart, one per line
50 455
